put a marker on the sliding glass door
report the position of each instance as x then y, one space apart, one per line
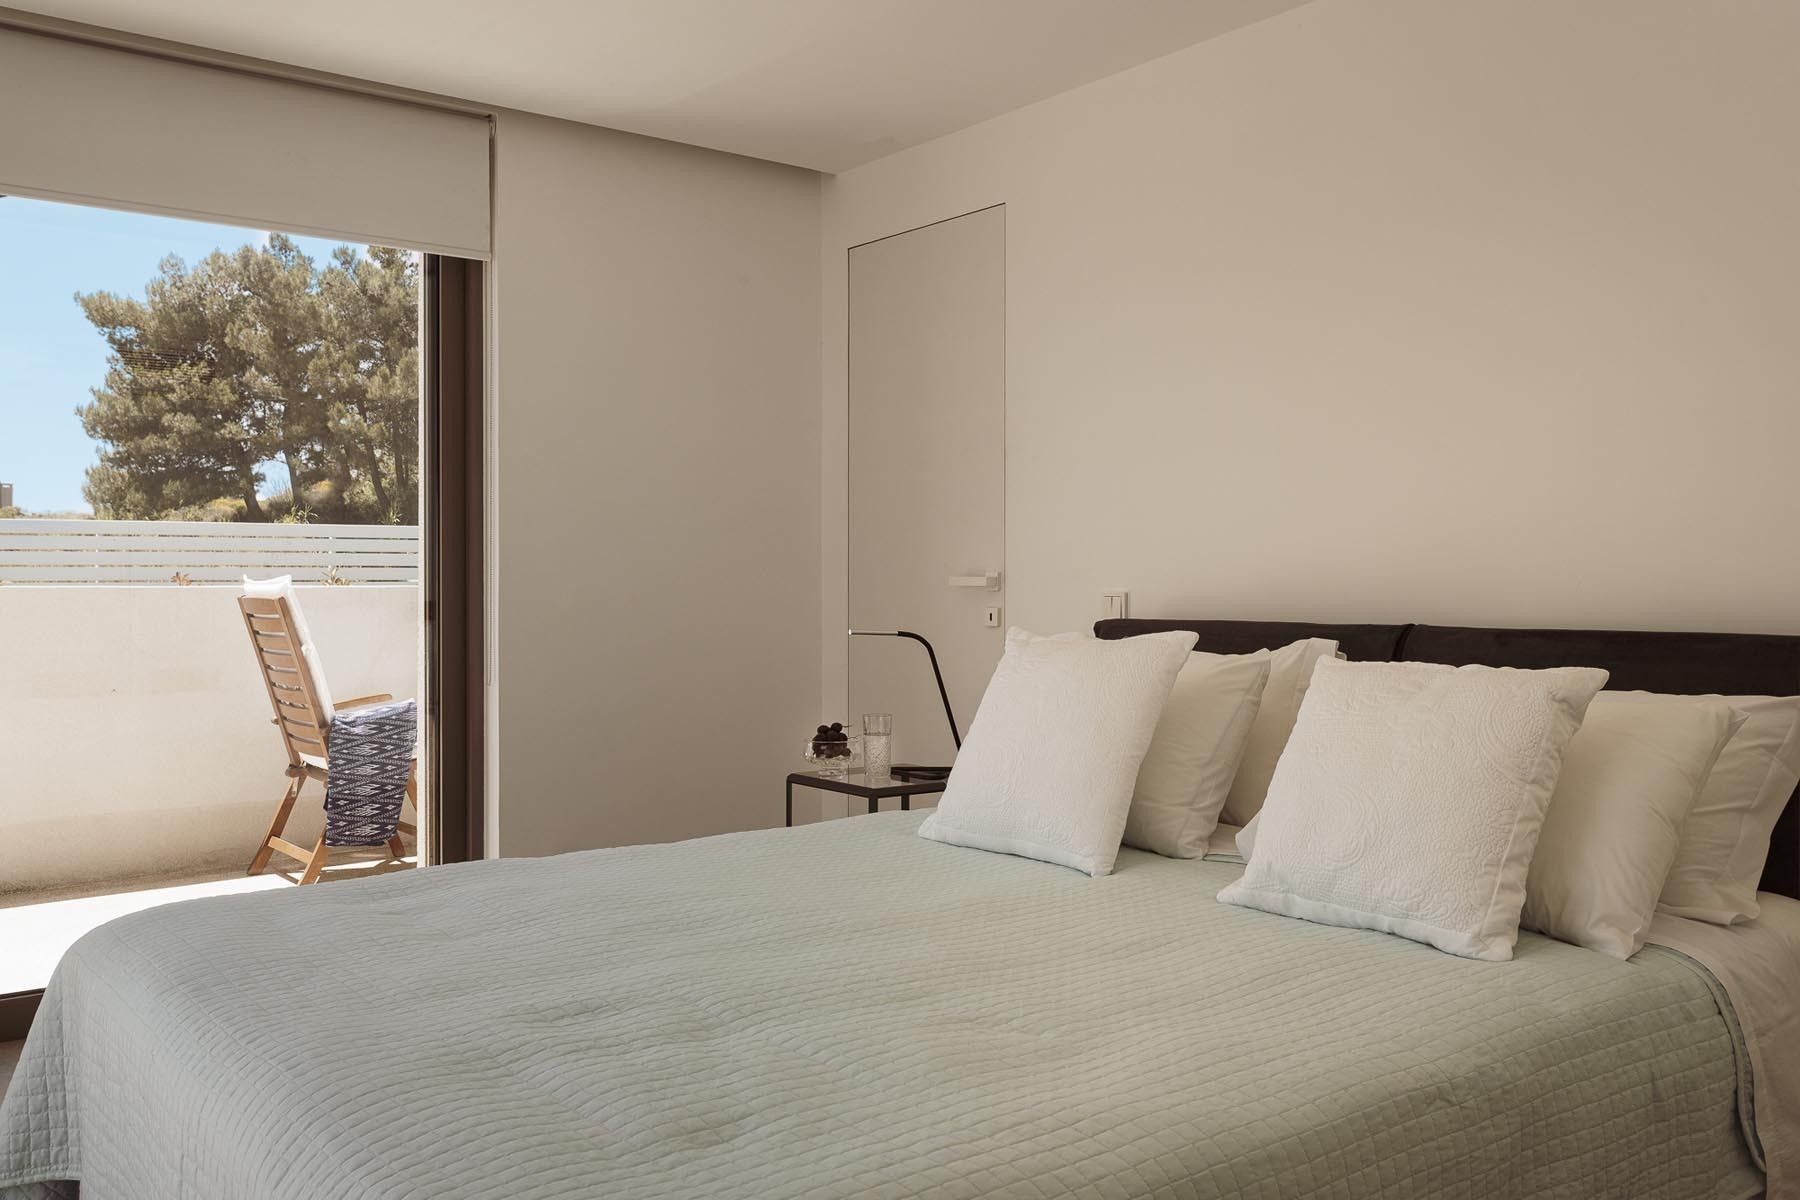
184 406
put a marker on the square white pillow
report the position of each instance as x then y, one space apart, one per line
1050 761
1290 672
1194 753
282 587
1614 824
1410 797
1725 843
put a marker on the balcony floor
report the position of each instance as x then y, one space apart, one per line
37 926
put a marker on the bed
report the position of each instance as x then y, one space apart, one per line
847 1009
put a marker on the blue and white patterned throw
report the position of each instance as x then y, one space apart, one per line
371 757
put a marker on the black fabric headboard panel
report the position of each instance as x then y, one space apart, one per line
1683 664
1365 643
1730 664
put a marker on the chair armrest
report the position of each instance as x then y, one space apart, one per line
362 701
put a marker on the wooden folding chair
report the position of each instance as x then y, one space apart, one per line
304 730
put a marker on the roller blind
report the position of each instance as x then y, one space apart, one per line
95 125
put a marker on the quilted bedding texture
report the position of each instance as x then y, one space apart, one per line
847 1009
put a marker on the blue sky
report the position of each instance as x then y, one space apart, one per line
49 355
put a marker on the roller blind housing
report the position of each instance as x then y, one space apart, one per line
96 125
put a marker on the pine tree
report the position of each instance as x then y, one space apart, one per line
254 356
368 365
176 429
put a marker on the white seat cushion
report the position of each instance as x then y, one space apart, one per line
282 587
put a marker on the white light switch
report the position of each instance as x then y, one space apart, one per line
1113 604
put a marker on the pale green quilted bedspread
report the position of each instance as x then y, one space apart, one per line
850 1010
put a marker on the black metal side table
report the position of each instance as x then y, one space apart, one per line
856 783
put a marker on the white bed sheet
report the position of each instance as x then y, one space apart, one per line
1222 846
1758 965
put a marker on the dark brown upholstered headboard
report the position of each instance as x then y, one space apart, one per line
1731 664
1367 643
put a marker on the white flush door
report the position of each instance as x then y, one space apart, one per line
927 472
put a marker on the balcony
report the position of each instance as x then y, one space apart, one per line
138 764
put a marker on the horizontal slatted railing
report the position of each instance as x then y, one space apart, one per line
34 551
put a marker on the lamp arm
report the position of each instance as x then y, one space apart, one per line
943 693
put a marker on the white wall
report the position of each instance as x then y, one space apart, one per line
1442 310
657 381
134 726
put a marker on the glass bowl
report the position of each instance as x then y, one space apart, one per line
835 758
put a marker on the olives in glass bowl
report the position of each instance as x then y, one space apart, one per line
832 751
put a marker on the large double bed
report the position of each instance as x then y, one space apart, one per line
847 1009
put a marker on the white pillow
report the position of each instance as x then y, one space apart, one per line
1194 753
1410 797
1725 838
1048 767
1628 780
282 587
1725 843
1290 672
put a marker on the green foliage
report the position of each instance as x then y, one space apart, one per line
253 356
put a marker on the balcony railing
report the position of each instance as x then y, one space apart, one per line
176 552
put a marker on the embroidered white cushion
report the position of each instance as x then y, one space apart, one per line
282 586
1410 797
1725 843
1049 764
1290 672
1194 753
1614 824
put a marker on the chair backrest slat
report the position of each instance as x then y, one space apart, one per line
292 697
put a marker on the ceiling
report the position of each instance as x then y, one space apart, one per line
826 84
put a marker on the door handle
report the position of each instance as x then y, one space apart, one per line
990 581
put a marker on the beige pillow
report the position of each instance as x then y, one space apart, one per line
1410 797
1725 843
1628 780
1290 672
1194 753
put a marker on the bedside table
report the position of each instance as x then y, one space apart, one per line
855 783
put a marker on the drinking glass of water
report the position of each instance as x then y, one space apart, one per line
878 746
